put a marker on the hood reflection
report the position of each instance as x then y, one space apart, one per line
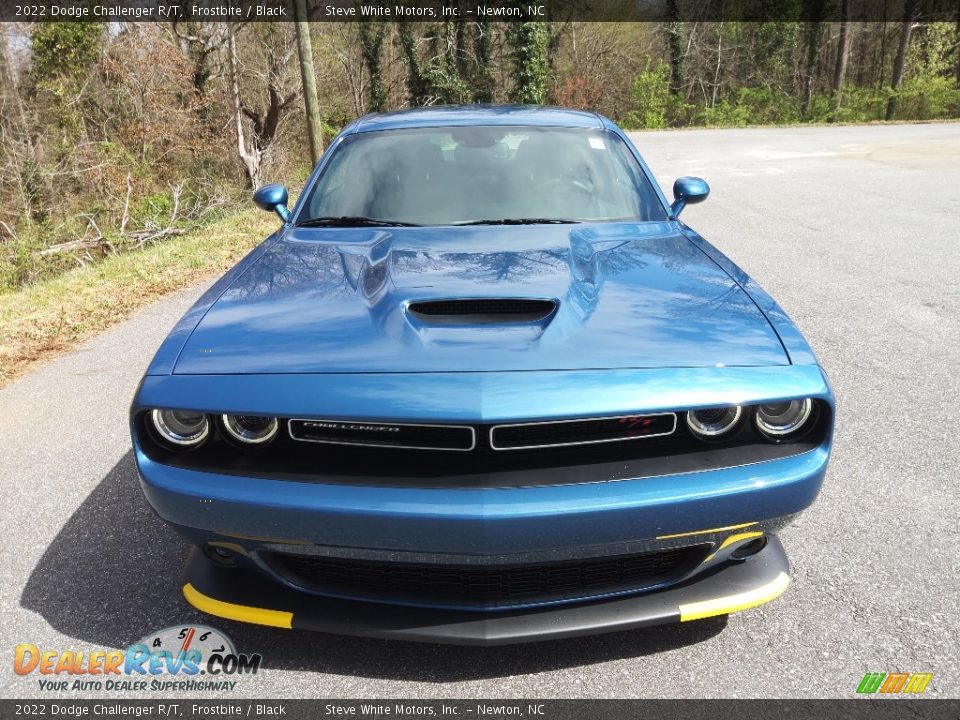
630 295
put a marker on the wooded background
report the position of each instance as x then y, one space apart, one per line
114 137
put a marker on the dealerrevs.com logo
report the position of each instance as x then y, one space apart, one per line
189 658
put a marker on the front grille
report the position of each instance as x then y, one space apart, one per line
480 310
516 436
485 586
385 435
526 436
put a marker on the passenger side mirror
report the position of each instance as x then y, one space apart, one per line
273 198
687 191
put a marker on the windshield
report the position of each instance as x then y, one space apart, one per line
485 174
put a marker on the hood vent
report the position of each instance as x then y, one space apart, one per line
482 310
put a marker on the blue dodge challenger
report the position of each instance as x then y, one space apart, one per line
482 386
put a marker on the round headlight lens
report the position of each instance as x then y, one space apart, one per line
777 420
713 422
183 428
250 429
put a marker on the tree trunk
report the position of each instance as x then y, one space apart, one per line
372 34
309 78
900 61
252 159
6 71
883 46
461 47
529 43
716 73
843 51
199 42
9 87
814 35
418 87
485 83
957 38
26 159
675 30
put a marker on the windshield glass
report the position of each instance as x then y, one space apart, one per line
462 175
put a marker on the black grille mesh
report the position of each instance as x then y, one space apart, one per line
384 435
485 585
545 434
501 437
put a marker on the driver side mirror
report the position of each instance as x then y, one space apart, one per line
273 198
688 191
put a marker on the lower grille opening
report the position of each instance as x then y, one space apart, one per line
485 586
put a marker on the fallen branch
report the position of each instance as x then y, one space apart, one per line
143 237
86 244
139 238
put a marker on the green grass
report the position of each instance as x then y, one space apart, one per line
45 319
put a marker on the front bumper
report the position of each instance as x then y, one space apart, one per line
534 521
482 521
533 516
245 595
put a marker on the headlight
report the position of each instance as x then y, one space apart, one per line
713 422
250 429
777 420
183 428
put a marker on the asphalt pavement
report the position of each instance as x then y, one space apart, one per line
855 230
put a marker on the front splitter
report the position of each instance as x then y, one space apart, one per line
247 596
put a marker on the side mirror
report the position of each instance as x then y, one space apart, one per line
688 191
273 198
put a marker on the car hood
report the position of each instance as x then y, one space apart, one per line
627 295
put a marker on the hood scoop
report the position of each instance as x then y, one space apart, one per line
481 311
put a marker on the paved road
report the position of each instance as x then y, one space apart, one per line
854 230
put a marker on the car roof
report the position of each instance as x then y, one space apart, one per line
440 116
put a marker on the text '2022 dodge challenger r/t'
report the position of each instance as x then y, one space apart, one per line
482 387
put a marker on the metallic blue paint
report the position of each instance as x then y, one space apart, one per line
482 521
273 198
166 356
794 343
312 323
480 397
687 191
479 115
291 311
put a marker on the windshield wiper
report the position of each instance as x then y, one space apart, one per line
352 221
522 221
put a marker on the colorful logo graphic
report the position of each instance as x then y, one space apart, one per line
892 683
183 652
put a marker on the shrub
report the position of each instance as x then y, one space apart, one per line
651 95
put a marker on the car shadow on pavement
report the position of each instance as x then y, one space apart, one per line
111 576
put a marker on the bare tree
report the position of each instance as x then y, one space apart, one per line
264 122
16 138
200 42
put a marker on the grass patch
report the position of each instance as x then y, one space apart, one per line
41 321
